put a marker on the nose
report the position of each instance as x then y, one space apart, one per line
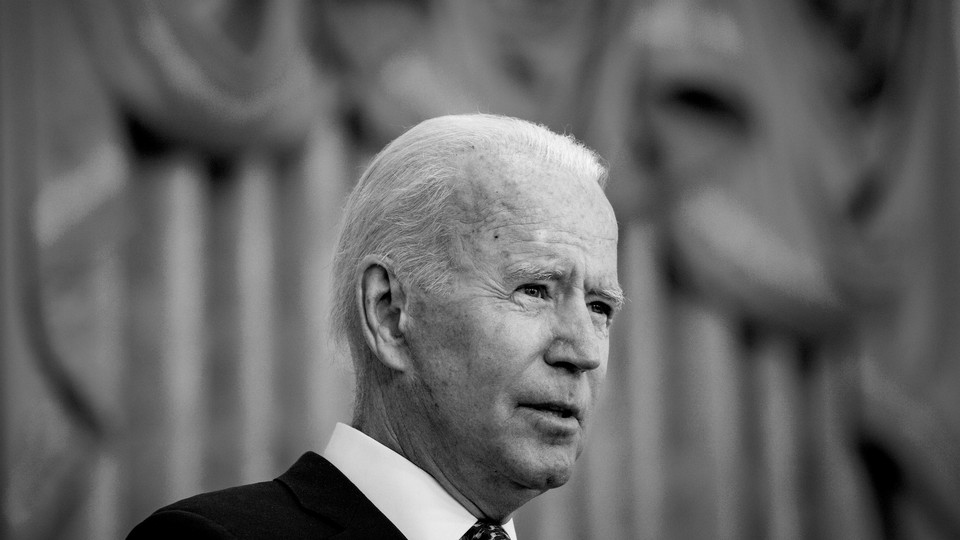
577 343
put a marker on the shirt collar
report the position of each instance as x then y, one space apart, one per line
410 498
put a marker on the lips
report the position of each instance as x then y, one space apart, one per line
559 409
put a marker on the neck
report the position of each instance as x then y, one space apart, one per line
385 425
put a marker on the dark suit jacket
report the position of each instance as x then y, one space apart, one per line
311 500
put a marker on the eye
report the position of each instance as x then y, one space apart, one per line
536 291
601 308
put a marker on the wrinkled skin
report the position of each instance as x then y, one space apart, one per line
500 375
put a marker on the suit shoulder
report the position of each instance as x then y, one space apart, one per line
173 523
255 511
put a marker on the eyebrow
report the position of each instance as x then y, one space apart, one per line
535 271
614 295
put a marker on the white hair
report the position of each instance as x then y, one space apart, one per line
399 208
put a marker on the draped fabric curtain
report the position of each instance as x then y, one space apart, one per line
178 181
784 173
220 74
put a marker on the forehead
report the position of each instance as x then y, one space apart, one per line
515 208
510 190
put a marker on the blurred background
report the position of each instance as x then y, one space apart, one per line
785 178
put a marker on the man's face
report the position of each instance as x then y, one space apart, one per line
507 366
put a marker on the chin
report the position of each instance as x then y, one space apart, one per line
557 480
547 471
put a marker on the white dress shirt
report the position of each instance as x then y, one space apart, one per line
410 498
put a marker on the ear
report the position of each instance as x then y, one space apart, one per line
382 304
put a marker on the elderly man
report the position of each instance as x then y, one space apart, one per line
476 283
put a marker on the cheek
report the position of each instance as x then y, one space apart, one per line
481 351
506 344
449 354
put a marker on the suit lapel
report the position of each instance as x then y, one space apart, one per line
322 489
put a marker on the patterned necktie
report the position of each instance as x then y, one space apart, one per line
484 530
